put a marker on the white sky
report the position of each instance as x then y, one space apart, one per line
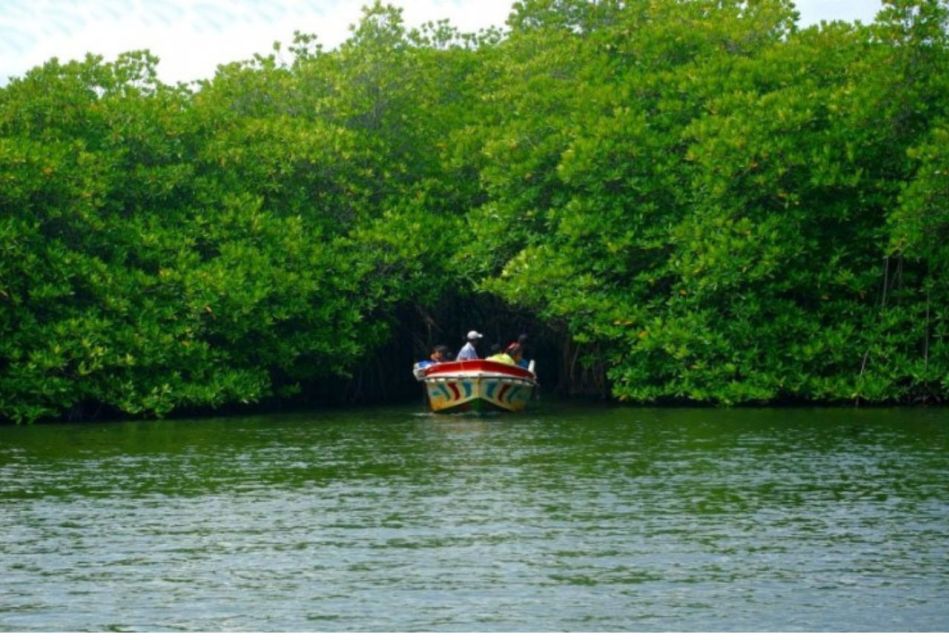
191 37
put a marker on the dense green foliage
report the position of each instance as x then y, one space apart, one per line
703 200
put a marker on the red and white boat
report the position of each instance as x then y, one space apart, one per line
477 385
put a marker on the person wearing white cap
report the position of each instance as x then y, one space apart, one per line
469 352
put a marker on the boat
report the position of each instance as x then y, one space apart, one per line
478 386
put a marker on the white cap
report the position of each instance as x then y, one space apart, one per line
474 335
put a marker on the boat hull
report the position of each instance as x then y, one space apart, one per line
478 386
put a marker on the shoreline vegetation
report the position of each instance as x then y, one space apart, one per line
682 202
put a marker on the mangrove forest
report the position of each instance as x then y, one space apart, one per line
688 201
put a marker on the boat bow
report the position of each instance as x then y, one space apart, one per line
477 385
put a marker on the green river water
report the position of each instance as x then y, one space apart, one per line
569 517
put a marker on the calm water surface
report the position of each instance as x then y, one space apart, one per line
567 518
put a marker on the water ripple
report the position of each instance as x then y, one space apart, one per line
567 520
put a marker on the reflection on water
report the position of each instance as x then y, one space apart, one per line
568 518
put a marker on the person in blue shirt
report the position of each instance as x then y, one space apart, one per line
439 354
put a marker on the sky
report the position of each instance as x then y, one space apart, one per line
192 37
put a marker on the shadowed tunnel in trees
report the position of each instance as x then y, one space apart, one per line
386 375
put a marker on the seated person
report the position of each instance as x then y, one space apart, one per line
519 348
501 356
439 354
470 351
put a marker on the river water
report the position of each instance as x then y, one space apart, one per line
566 518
